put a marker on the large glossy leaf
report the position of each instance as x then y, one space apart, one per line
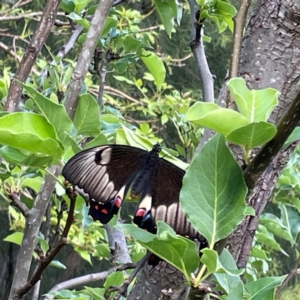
29 131
178 251
253 135
255 105
220 119
86 118
156 67
55 113
214 191
264 288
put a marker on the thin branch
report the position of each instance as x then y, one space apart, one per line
31 54
33 223
86 279
123 289
239 27
24 16
15 201
292 273
114 91
197 48
86 56
47 260
10 51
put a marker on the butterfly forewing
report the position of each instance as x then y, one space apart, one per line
102 171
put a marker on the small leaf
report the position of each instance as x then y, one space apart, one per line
16 238
58 264
255 105
86 118
156 67
252 135
220 119
167 11
264 288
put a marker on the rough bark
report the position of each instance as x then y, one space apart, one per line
270 58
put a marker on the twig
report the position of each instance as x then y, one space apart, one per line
10 51
86 55
123 289
30 15
86 279
239 26
47 260
33 223
15 201
30 56
199 54
292 273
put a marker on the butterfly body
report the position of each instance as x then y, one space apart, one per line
110 173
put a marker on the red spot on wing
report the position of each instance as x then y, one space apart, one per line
118 201
104 211
141 212
96 207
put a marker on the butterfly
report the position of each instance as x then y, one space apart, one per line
111 173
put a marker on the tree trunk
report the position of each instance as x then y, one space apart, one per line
270 58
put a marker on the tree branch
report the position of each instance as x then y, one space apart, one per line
47 260
33 50
86 56
32 227
267 153
199 54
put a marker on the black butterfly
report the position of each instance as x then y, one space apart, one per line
108 173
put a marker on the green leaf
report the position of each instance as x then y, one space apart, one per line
80 5
167 11
259 253
264 288
31 132
109 23
16 238
222 120
131 44
67 6
255 105
55 113
114 279
23 158
101 139
58 264
252 135
294 136
44 245
275 226
156 67
291 218
178 251
214 189
86 118
265 238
